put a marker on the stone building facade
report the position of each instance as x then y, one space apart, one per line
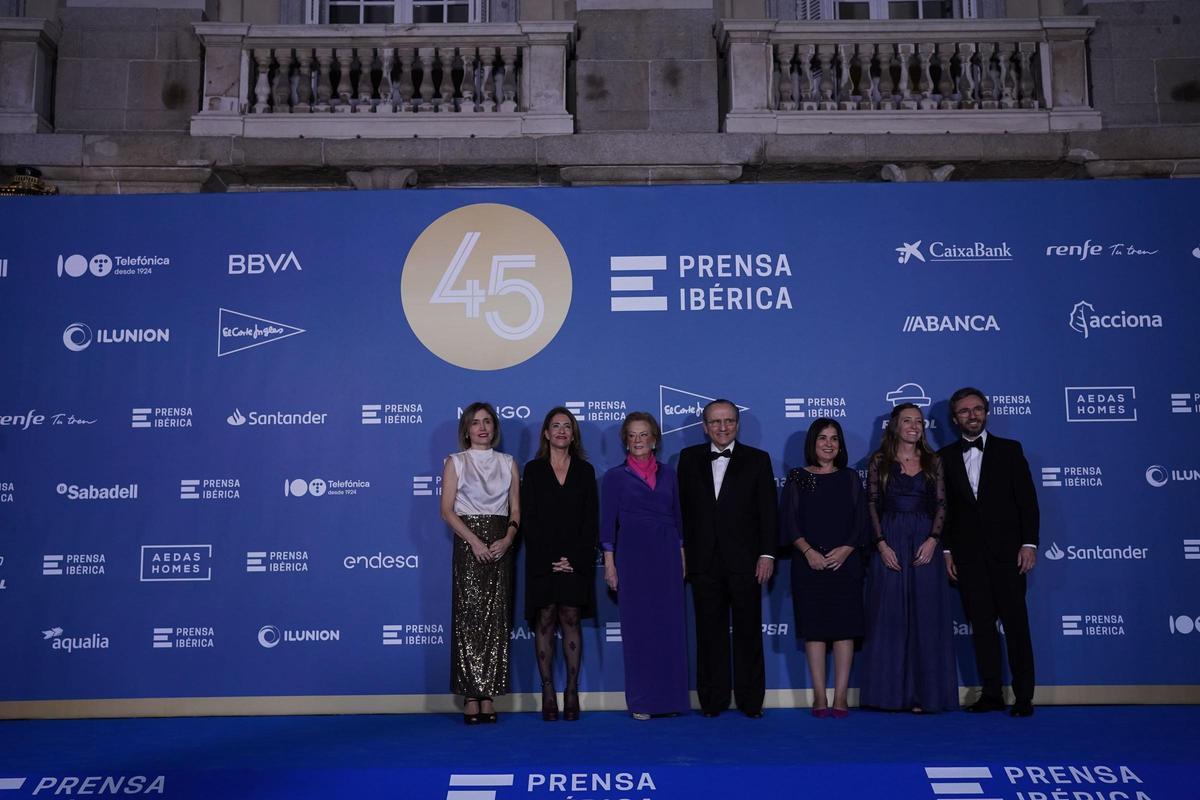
125 96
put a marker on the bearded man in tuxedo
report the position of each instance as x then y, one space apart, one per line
990 541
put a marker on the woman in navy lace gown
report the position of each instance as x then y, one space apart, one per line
908 654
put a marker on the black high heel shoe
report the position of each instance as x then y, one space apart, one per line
486 716
571 704
549 702
471 719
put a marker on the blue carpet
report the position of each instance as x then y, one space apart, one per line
1082 753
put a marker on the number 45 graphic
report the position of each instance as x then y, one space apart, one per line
472 295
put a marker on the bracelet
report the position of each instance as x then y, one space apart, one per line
512 523
805 552
880 540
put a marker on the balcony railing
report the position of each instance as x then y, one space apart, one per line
918 76
385 81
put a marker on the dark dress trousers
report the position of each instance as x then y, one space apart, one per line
723 539
985 535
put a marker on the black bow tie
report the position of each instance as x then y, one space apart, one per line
714 456
976 443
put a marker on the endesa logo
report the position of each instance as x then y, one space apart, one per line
263 263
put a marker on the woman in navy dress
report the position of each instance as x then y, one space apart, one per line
908 652
641 535
824 519
560 525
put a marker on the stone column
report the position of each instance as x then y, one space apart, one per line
226 79
746 47
27 52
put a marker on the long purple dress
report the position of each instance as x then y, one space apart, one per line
643 528
908 651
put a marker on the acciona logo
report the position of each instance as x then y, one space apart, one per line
957 323
1085 320
270 636
79 336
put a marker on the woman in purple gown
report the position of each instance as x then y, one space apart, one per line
908 653
642 538
823 518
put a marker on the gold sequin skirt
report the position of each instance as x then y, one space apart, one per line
481 615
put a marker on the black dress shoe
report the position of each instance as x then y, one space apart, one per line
1022 709
985 704
753 714
710 714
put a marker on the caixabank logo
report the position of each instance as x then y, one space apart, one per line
486 286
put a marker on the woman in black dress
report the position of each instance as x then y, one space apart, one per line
823 517
561 526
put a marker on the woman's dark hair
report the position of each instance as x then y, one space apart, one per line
574 449
810 443
464 424
885 456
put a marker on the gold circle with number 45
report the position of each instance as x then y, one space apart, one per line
486 286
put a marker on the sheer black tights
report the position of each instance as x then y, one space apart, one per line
566 619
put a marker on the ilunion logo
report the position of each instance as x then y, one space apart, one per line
77 337
268 636
1156 475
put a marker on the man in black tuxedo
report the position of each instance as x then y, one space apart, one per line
730 530
990 541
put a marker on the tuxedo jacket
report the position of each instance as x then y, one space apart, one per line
1004 517
740 525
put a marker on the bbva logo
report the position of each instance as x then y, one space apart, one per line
259 263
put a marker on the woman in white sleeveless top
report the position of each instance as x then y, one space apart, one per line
481 504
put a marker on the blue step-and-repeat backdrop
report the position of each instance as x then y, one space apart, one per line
224 417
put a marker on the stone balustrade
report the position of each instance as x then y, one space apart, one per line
385 81
907 76
28 49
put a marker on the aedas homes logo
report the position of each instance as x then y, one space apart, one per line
486 286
